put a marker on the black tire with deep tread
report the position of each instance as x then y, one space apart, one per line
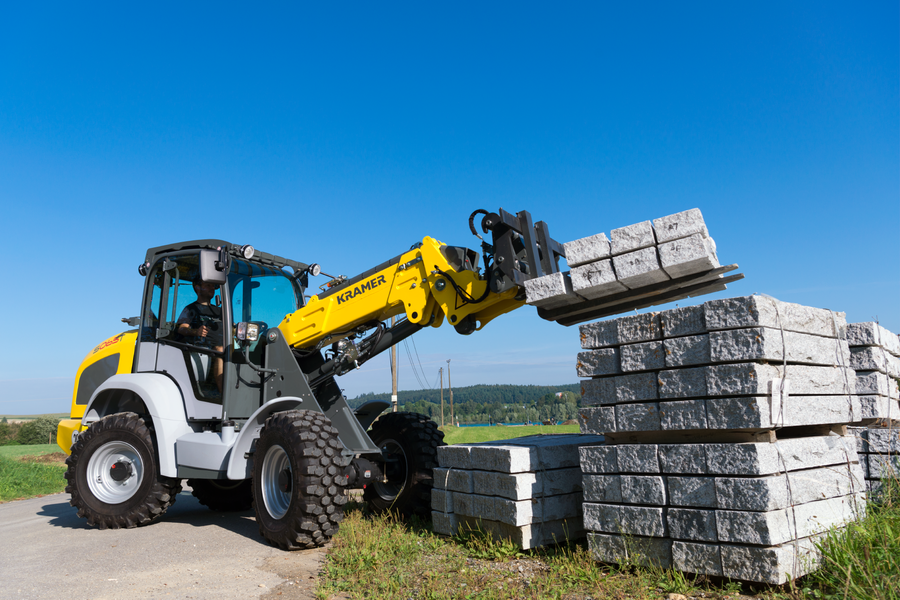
152 498
317 494
419 438
222 494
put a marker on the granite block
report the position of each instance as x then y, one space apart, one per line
442 501
633 387
682 415
755 412
763 311
692 491
872 358
455 480
680 225
773 492
550 291
692 524
687 320
880 408
752 379
688 459
597 420
599 459
593 363
517 512
521 486
693 557
765 343
643 416
531 453
600 334
763 458
683 383
875 383
883 466
643 327
688 256
627 520
444 523
884 441
456 457
595 280
873 334
643 489
586 250
637 458
646 356
529 536
687 351
632 237
639 268
775 565
655 552
602 488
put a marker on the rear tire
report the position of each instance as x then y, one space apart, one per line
298 480
113 474
223 494
409 442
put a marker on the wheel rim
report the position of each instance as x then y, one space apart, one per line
397 471
110 488
277 481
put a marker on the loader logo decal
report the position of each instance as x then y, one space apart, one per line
108 342
360 289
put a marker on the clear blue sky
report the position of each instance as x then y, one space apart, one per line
341 133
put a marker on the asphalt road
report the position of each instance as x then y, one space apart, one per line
46 551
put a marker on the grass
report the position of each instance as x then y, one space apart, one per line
13 418
24 475
471 435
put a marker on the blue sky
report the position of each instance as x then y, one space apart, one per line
342 133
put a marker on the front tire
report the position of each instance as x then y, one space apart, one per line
113 474
222 494
409 442
298 480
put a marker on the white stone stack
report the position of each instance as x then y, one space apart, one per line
724 451
879 454
527 490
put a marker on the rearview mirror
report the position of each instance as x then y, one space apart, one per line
210 271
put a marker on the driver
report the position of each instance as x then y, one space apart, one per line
203 320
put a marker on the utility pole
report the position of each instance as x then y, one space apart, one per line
441 373
450 385
393 371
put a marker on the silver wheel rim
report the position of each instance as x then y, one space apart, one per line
100 481
275 464
390 490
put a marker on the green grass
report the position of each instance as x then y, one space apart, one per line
470 435
33 417
37 450
26 479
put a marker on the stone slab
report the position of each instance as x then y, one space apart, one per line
639 268
684 383
645 356
763 458
525 537
883 466
599 334
550 291
643 489
686 320
692 491
643 327
599 459
596 280
782 491
638 458
756 412
692 350
692 524
879 408
517 512
454 480
873 358
522 486
442 501
632 387
602 488
597 420
688 459
764 311
595 363
774 565
680 225
694 557
518 455
755 379
444 523
643 416
622 519
875 383
656 552
766 343
883 441
633 237
687 256
873 334
682 415
586 250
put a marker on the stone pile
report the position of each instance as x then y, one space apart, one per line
724 423
875 355
633 257
527 490
879 454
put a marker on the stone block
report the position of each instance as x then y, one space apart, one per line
639 268
586 250
687 320
637 458
599 459
444 523
597 420
646 552
692 524
442 501
682 415
680 225
775 565
646 356
765 343
456 457
873 358
692 557
755 379
521 486
688 256
692 491
763 458
755 412
602 488
884 441
880 408
529 536
626 388
763 311
550 291
643 327
594 363
687 351
626 520
643 489
873 334
643 416
531 453
517 512
683 383
632 237
454 480
884 466
596 280
875 383
600 334
773 492
688 459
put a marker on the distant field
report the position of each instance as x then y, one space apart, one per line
37 450
32 476
471 435
24 418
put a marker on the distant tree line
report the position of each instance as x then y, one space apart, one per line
490 403
37 431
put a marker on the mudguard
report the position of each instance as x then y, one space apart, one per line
238 465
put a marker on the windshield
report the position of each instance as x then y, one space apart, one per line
261 293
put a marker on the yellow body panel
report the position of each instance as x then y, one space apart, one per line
410 287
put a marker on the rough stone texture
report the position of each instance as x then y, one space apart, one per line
521 486
692 524
687 256
637 458
655 552
763 458
644 327
622 388
879 408
526 537
586 250
687 351
680 225
593 363
442 501
773 492
692 557
879 384
643 416
873 334
692 491
647 521
550 291
684 383
444 523
518 455
755 412
689 459
639 268
646 356
632 237
688 320
763 311
456 456
602 488
455 480
682 415
597 420
643 489
883 441
872 358
882 466
596 279
599 459
765 343
517 512
600 334
775 565
752 379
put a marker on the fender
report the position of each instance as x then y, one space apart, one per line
368 412
238 465
164 404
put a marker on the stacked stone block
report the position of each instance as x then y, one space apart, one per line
724 452
633 257
528 490
875 355
879 454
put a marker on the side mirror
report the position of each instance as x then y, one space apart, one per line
212 267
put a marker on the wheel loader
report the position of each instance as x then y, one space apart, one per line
227 380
